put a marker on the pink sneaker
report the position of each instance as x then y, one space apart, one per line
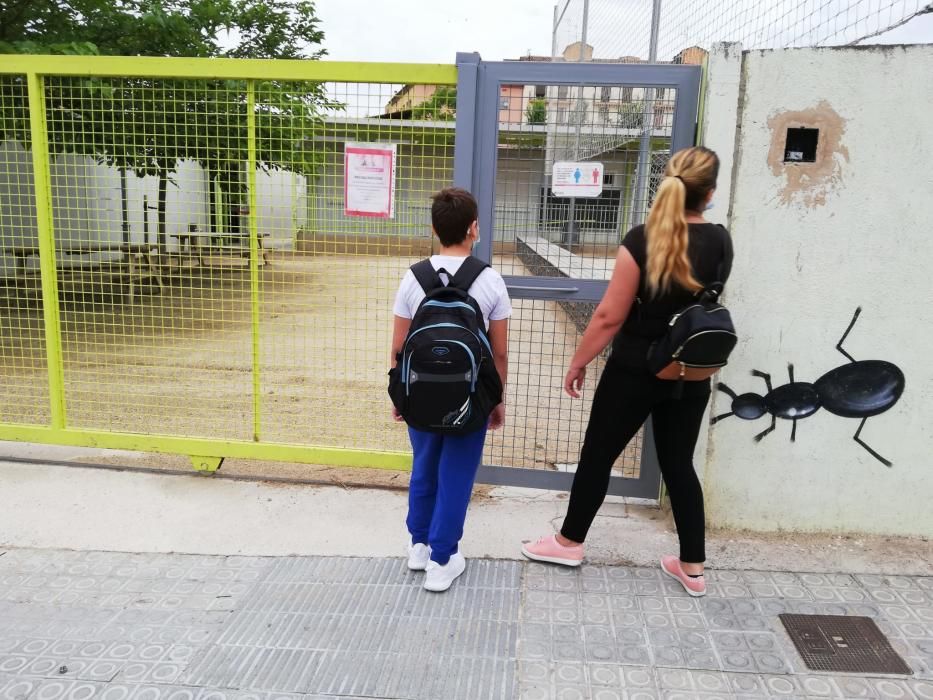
548 549
695 587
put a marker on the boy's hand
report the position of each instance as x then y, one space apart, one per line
497 417
396 416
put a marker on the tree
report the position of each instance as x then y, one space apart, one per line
536 112
148 126
631 115
117 27
441 106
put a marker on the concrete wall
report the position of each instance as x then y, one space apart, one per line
813 242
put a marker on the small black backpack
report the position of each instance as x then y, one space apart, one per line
445 380
698 340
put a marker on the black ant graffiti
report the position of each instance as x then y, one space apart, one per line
861 389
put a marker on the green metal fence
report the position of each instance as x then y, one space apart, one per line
177 269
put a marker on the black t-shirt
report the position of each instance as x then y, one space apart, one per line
710 252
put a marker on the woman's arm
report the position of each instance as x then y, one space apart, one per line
607 319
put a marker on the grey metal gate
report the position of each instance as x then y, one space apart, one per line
515 120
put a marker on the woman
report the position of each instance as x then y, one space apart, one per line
659 269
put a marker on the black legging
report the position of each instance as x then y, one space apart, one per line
624 399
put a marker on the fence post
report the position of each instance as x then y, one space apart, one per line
38 134
253 248
465 126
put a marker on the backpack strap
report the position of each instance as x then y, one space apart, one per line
426 275
470 269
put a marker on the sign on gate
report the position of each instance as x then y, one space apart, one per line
583 179
369 180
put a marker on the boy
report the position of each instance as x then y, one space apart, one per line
445 465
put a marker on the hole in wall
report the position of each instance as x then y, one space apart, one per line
800 145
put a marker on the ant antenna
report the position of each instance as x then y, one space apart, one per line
845 335
790 371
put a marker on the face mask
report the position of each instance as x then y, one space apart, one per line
709 205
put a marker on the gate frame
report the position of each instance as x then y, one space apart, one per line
475 160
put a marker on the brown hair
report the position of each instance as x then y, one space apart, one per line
453 211
689 177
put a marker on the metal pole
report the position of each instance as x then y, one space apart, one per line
557 20
644 148
42 181
252 199
554 34
580 113
655 26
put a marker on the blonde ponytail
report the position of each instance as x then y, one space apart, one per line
689 177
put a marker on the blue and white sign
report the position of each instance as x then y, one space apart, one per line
584 179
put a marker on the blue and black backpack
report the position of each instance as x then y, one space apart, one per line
445 380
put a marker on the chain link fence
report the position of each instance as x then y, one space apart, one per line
621 29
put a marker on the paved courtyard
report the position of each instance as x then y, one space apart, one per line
112 626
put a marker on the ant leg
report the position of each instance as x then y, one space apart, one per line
793 432
870 450
765 376
845 335
760 435
718 418
726 390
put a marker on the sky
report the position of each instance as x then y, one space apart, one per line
426 31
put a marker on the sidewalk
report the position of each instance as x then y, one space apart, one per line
112 626
286 591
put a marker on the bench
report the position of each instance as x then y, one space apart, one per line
141 258
197 244
547 259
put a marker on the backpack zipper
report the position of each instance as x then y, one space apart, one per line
449 304
679 350
480 338
692 306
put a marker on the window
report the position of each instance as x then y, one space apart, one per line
503 103
540 91
605 93
626 94
562 92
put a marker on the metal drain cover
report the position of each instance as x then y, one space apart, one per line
843 643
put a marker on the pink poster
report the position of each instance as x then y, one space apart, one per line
369 180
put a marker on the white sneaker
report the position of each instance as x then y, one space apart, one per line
418 556
439 577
